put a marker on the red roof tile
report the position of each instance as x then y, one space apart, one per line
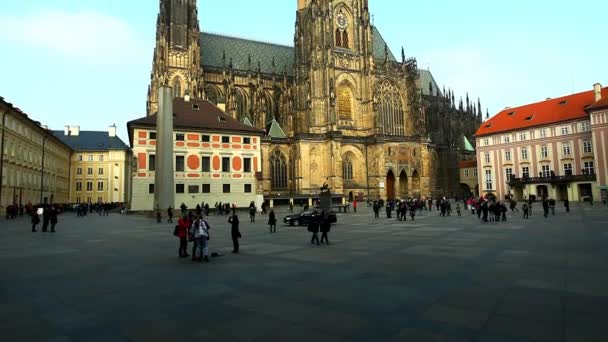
601 104
565 108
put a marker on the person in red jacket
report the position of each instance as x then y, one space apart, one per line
183 225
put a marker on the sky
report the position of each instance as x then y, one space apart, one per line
88 62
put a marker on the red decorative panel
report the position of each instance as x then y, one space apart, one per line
142 142
216 175
215 138
255 164
216 145
194 162
216 163
142 174
238 175
206 145
247 147
193 137
153 142
225 146
255 140
180 144
142 134
141 161
236 163
236 139
193 175
236 146
190 144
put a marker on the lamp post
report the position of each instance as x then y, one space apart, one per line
2 149
42 168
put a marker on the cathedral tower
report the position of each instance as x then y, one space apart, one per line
333 62
177 53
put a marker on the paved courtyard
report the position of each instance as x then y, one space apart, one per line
118 278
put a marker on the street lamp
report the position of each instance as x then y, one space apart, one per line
44 137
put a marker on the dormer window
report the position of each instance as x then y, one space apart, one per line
528 118
511 113
195 106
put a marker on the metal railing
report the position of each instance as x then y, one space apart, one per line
552 179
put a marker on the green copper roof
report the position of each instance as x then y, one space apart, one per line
247 122
275 130
467 145
378 45
425 78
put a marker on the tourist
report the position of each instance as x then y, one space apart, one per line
206 209
46 218
525 208
290 206
235 232
325 227
182 233
252 211
272 221
201 237
35 220
388 209
552 206
313 227
376 209
170 214
503 210
53 211
567 205
183 207
458 209
546 207
412 211
354 206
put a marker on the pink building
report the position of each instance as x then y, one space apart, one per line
554 148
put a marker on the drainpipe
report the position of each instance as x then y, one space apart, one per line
10 107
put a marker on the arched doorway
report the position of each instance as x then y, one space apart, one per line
415 184
390 185
403 184
465 190
542 191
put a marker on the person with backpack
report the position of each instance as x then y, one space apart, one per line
272 221
325 227
313 227
252 211
235 232
181 232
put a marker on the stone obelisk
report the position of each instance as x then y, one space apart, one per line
164 188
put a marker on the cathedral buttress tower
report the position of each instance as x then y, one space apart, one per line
333 64
177 55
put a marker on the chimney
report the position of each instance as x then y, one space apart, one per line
66 130
112 131
74 131
597 91
187 96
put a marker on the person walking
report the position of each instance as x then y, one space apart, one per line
170 215
201 238
35 220
567 205
252 211
458 209
354 205
290 206
325 227
376 209
552 206
272 221
313 227
183 225
546 207
53 218
525 208
46 218
235 232
412 211
158 215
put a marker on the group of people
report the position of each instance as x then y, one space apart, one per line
319 222
49 215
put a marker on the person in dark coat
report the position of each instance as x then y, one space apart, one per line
567 205
46 218
313 227
252 211
53 218
35 219
183 226
170 214
388 209
325 227
235 232
272 221
546 207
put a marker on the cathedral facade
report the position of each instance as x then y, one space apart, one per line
338 107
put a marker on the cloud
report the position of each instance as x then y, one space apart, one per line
87 36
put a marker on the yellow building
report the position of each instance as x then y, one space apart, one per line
34 163
100 167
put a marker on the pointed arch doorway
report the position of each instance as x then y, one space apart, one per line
403 191
390 185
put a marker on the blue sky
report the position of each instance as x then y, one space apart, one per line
87 62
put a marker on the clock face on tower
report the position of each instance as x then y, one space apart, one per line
342 21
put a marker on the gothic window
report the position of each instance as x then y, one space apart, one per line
338 38
177 88
213 94
268 106
240 104
347 169
278 168
344 103
345 40
390 114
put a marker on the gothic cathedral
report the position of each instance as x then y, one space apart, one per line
338 107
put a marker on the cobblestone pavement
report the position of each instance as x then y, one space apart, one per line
118 278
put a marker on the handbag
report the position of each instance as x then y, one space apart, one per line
175 231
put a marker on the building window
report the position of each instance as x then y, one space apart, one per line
78 186
509 174
486 142
543 133
507 155
524 153
90 157
101 157
226 188
587 148
193 189
247 165
588 168
226 140
390 116
506 139
466 172
568 169
205 138
99 186
179 136
525 172
545 172
152 135
179 163
79 171
566 149
523 137
246 141
89 186
100 171
79 157
179 188
488 179
347 169
585 127
565 130
544 152
89 171
152 162
225 164
278 170
150 188
206 188
206 164
247 188
487 157
474 172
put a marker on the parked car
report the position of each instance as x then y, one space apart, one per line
304 217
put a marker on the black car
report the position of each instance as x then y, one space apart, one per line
304 217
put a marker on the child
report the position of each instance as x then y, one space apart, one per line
458 209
